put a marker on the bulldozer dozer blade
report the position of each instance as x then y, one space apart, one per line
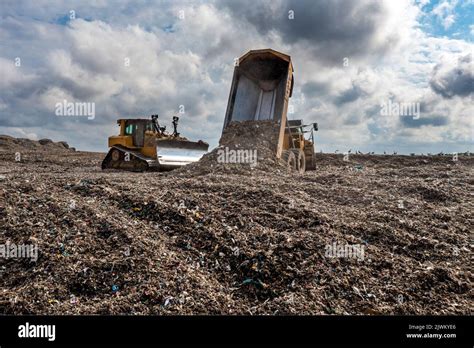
177 153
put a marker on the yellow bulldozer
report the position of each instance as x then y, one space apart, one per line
261 87
143 144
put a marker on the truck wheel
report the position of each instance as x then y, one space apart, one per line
310 162
310 156
289 159
300 160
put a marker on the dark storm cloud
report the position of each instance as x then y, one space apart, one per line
436 121
314 88
349 95
352 120
449 81
332 29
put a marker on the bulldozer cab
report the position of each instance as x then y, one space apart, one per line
135 128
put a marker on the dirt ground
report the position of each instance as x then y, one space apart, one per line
224 241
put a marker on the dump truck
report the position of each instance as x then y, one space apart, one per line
261 87
143 144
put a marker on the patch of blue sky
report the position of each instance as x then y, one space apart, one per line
66 18
461 25
168 28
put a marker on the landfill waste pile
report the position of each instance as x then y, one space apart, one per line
363 234
245 147
8 143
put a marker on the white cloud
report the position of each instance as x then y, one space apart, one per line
445 12
189 62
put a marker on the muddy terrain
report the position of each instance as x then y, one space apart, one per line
227 240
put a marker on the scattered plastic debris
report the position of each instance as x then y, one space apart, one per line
230 240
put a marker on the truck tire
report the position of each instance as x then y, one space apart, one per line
288 158
300 160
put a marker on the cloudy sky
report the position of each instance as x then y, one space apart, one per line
137 58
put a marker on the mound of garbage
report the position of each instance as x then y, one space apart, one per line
370 235
244 148
8 143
